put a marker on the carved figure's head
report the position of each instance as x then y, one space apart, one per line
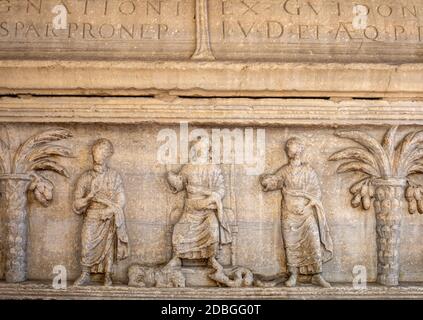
102 150
294 148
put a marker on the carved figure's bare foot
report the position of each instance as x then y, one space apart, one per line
83 280
318 280
292 281
108 280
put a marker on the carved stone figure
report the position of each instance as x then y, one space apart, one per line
305 232
160 277
385 170
100 197
203 225
20 173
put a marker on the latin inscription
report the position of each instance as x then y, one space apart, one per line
237 28
106 20
317 21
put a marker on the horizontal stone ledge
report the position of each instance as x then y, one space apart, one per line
55 77
36 290
243 112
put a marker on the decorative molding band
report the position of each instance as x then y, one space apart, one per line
38 291
193 78
257 112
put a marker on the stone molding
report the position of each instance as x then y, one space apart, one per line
208 79
245 112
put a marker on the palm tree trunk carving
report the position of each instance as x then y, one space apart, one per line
20 173
386 168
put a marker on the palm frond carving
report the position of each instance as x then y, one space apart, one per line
379 160
35 155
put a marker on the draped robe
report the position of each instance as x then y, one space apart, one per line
203 225
103 241
304 228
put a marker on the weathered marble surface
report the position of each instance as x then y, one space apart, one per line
135 67
54 231
278 30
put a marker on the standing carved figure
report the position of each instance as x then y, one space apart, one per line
99 195
305 231
203 225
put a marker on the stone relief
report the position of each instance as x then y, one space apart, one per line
385 169
203 225
20 173
99 196
306 237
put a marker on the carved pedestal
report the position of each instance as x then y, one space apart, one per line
15 209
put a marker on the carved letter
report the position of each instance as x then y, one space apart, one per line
272 32
285 7
375 33
4 6
4 27
36 6
398 30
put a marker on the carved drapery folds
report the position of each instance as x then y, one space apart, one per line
20 173
99 196
307 240
386 168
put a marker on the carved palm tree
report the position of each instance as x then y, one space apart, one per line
386 169
20 172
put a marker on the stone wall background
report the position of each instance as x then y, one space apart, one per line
55 231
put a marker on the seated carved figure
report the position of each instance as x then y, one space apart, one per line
305 231
203 225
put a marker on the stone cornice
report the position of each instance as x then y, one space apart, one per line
217 78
